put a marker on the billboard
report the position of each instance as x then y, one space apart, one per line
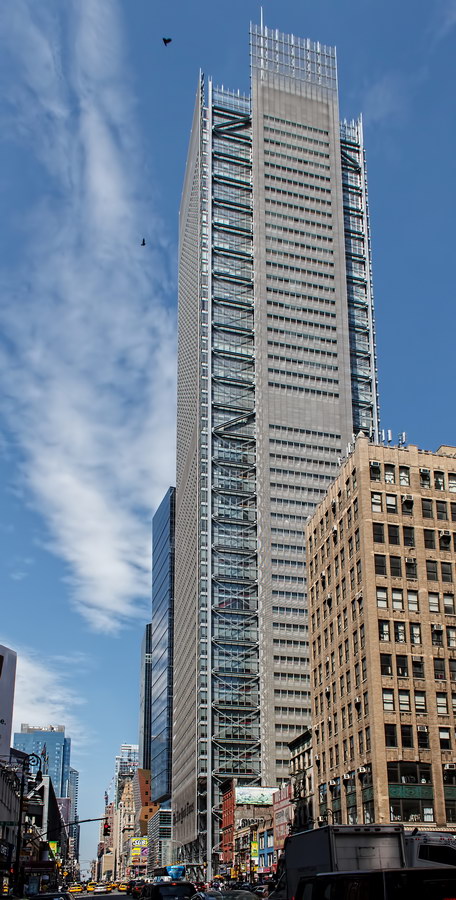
254 796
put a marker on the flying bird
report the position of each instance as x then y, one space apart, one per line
143 242
166 41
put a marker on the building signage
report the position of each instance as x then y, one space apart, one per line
254 796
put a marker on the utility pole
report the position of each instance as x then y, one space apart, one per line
29 758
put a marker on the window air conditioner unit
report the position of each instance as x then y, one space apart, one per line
357 701
334 529
410 559
416 659
422 728
332 782
375 464
407 498
425 471
445 534
317 758
346 776
321 820
329 599
449 767
361 770
327 689
436 627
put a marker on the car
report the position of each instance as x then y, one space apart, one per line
75 889
169 890
130 885
122 886
136 890
53 895
102 888
90 886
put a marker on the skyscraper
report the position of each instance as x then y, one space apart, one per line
145 699
125 767
162 648
73 792
276 372
49 743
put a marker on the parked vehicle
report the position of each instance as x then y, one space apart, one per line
337 847
168 890
430 848
384 884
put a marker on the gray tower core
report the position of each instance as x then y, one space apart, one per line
276 371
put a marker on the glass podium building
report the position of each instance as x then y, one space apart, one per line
276 372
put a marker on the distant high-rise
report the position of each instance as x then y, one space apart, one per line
145 699
54 749
8 661
73 791
162 648
276 372
126 764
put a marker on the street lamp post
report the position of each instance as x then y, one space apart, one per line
35 760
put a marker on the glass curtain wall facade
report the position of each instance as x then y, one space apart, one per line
145 699
161 671
54 749
276 370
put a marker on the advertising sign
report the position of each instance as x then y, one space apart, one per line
54 847
254 796
175 871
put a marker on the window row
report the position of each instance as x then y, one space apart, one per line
432 540
391 473
406 733
398 566
400 631
391 503
430 509
402 701
400 665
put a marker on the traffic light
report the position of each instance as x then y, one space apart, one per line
106 829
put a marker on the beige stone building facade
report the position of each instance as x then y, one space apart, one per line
382 622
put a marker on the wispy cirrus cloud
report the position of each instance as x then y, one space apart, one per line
87 337
444 20
43 695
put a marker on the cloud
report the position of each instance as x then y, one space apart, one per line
87 353
43 696
386 99
445 20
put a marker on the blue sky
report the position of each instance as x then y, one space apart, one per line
95 115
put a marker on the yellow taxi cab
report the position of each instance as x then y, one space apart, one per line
109 886
75 889
90 885
122 886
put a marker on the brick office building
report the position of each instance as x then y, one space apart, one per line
382 621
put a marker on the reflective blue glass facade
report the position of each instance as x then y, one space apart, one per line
162 647
51 745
